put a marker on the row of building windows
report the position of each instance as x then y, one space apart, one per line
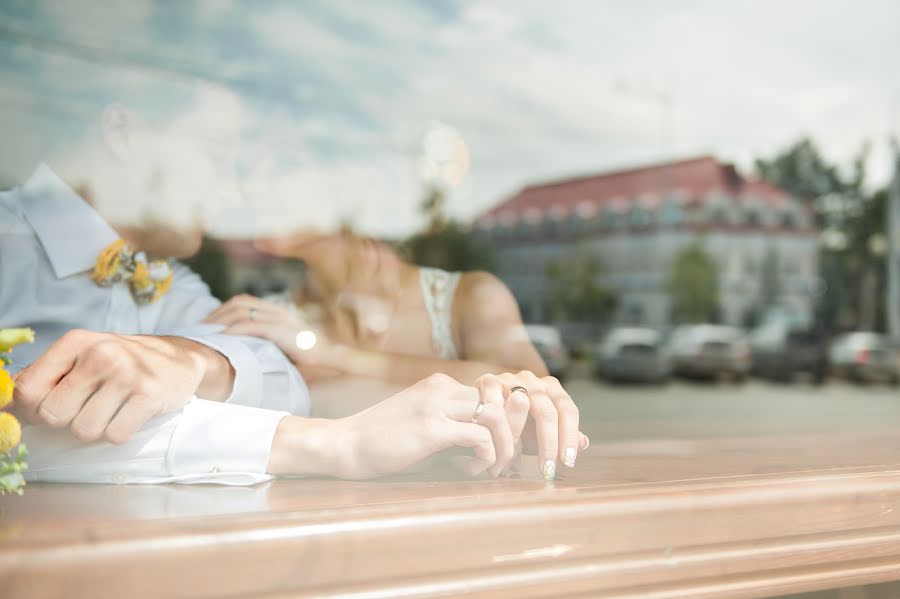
669 214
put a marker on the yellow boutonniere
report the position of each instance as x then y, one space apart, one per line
119 262
109 265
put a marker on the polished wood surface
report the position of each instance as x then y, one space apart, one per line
732 517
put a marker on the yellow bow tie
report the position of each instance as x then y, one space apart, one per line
148 281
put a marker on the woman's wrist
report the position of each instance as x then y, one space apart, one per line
311 447
363 362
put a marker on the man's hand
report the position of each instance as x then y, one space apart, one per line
251 316
105 385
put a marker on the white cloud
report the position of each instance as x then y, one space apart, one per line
538 90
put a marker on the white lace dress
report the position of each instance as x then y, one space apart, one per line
438 289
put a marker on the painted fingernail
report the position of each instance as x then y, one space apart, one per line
549 470
569 457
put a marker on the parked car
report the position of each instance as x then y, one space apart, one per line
708 351
549 344
864 357
631 355
779 352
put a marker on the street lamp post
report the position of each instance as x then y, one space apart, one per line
893 243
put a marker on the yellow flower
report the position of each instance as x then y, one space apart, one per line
140 280
9 338
162 287
108 264
10 432
6 388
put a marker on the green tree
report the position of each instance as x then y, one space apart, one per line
575 291
213 266
847 216
444 243
801 170
693 285
866 258
451 248
433 207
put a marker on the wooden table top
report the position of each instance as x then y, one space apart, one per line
727 517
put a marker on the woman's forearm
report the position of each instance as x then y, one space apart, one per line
309 447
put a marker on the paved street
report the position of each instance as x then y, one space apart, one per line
696 409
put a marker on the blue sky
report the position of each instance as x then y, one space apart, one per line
333 98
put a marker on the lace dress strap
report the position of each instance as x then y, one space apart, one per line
438 289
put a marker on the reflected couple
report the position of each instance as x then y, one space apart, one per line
139 375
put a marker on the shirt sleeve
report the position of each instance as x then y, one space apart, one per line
264 376
204 442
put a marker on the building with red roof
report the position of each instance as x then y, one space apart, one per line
634 221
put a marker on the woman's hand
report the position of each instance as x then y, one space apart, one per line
435 414
549 427
255 317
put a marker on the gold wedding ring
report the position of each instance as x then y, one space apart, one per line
479 410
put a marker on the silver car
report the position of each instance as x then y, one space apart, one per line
709 351
864 358
631 354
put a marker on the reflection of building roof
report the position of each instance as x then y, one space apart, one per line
692 181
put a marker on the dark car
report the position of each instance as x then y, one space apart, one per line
709 351
780 353
631 355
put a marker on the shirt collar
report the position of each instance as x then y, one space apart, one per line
72 233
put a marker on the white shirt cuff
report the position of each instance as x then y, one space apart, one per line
221 443
204 442
247 389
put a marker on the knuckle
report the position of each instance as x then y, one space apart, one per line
143 391
529 380
76 336
486 379
51 419
551 382
438 380
568 409
24 393
117 434
86 432
106 355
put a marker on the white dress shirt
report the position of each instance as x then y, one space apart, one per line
49 241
